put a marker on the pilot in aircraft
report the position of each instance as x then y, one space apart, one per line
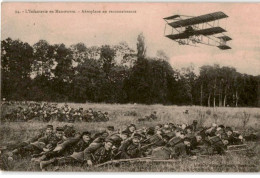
189 30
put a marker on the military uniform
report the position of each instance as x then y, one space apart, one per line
211 131
130 150
180 150
151 143
39 135
215 145
95 152
233 140
98 155
174 141
32 145
68 150
51 140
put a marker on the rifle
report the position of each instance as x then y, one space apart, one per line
123 160
146 146
144 159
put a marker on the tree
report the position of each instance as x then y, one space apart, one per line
79 52
124 54
107 58
206 79
188 80
63 71
150 81
141 48
161 55
227 75
47 72
16 61
43 59
88 81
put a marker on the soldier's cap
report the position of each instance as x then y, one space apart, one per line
183 132
221 126
169 134
50 126
115 138
59 129
110 128
150 131
188 127
109 140
188 139
125 132
86 133
195 121
137 135
132 125
95 135
228 129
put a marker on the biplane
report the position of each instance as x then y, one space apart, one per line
204 29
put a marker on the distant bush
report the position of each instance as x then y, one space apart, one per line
130 113
208 112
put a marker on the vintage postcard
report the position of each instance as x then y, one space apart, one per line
130 87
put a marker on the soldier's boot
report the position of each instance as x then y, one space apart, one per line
11 153
44 164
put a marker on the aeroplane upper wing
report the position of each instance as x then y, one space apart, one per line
196 20
171 17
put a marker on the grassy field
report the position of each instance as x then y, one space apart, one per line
121 115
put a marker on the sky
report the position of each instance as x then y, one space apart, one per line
111 28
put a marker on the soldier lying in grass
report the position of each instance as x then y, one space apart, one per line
94 154
163 141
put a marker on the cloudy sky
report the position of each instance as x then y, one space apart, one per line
111 28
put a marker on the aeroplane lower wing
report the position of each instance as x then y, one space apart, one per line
223 47
205 32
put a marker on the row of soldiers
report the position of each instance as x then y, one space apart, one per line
169 141
47 112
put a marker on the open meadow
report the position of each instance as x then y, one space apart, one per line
125 114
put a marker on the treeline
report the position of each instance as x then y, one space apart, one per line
116 74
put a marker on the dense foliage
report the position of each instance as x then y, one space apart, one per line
116 74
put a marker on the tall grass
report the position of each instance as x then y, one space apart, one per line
17 131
